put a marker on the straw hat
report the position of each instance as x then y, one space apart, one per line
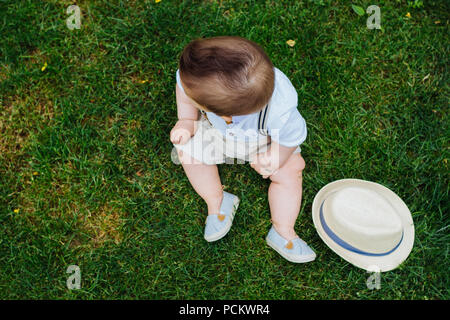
365 223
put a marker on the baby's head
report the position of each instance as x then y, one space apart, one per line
227 75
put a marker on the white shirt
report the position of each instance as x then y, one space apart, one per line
284 123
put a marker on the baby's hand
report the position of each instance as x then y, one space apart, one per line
266 164
182 131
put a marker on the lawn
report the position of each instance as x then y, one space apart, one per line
86 176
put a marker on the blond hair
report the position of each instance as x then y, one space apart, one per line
227 75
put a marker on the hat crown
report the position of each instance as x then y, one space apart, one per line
364 219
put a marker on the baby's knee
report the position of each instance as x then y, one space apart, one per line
293 168
300 163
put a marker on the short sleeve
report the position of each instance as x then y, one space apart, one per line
289 129
179 80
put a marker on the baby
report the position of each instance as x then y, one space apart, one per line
234 104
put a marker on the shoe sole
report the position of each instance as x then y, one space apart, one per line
291 257
219 235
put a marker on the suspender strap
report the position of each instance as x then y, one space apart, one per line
205 116
262 120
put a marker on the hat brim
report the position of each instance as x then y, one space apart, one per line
369 263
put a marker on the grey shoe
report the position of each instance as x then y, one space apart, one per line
218 225
295 250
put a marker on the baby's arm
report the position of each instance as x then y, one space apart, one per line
267 164
282 152
188 114
291 133
185 106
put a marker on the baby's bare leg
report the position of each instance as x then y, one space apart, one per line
285 196
205 180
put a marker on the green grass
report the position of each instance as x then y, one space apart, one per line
85 153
